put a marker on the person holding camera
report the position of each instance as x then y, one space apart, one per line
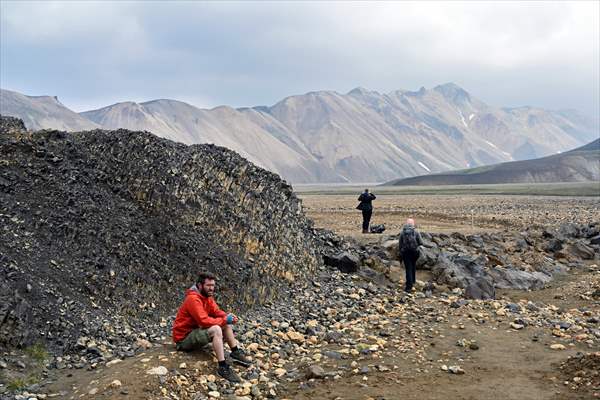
366 207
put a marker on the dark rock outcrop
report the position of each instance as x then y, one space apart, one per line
511 278
582 250
464 272
108 228
345 262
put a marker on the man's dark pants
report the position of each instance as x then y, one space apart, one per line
366 219
409 257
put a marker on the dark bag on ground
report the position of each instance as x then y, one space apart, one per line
377 228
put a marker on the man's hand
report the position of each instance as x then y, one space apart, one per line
231 319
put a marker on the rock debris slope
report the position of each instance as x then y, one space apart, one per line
101 232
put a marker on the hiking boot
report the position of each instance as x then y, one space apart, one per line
239 357
226 372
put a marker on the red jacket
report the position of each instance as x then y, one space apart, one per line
196 311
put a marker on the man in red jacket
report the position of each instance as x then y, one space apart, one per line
199 321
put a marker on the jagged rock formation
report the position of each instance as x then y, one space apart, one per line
361 136
102 231
578 165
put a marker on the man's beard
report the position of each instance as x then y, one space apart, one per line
204 293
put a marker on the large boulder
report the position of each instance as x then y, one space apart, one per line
475 241
391 247
569 230
582 250
590 230
553 245
428 257
464 272
511 278
480 289
345 262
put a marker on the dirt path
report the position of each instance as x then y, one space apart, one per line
515 364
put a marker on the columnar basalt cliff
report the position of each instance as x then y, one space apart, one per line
102 231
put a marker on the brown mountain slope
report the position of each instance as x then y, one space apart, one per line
360 136
578 165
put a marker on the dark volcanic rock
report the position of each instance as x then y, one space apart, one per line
427 257
553 245
464 272
510 278
101 232
569 230
345 262
582 250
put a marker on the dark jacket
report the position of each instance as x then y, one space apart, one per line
365 201
409 230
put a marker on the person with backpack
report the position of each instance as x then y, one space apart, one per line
410 240
367 208
200 321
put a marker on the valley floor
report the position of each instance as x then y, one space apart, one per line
425 334
395 346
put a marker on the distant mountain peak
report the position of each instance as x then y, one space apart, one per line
360 91
448 86
329 136
123 104
45 97
453 92
164 101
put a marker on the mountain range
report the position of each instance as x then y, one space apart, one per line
326 136
578 165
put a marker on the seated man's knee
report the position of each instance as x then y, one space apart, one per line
215 330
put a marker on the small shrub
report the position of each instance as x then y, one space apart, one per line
21 383
37 352
17 384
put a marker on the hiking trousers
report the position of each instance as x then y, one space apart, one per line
409 257
196 339
366 219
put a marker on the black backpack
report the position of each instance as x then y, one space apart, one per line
408 240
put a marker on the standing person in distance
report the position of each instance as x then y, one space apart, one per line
200 321
410 240
367 208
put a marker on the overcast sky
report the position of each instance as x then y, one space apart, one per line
92 54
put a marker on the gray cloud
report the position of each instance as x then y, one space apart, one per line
91 54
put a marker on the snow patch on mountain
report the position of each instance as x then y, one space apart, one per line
462 118
424 166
